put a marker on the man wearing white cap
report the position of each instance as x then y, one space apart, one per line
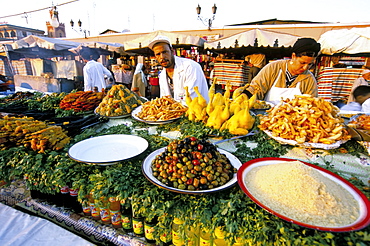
363 80
177 72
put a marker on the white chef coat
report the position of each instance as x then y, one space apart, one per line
275 94
186 73
94 75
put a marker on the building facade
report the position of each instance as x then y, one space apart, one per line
10 32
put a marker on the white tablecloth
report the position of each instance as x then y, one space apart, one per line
18 228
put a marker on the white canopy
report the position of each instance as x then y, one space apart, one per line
116 47
176 39
254 37
352 41
44 42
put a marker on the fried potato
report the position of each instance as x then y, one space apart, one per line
161 109
305 119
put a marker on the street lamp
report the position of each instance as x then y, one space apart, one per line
207 21
79 23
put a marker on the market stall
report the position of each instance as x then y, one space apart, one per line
274 45
140 45
213 213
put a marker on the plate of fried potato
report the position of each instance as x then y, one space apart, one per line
161 110
305 121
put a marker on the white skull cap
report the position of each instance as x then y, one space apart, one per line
159 39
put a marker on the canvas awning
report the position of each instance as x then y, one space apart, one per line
346 41
177 40
38 47
103 47
253 38
44 42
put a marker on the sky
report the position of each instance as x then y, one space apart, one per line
147 15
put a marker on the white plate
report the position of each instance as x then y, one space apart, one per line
147 170
307 144
108 149
159 122
364 204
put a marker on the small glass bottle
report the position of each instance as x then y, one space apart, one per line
95 211
86 208
149 229
177 238
115 212
138 224
126 216
75 204
65 196
104 210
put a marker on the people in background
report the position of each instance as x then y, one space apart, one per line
287 78
361 95
255 63
139 82
363 80
177 72
93 71
127 75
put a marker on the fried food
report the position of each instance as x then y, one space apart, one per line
361 122
305 119
161 109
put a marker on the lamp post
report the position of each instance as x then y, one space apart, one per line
79 23
207 21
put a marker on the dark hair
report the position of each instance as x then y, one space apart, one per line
361 90
306 47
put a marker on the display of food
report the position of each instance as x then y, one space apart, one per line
37 135
192 164
261 105
161 109
221 112
361 122
118 101
302 193
305 119
81 101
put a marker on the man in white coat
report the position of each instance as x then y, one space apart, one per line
93 71
177 72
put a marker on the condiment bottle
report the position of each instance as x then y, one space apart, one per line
104 211
138 224
126 216
75 204
149 229
95 211
65 196
177 238
115 213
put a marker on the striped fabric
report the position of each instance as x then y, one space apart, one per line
5 68
237 74
22 67
335 84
